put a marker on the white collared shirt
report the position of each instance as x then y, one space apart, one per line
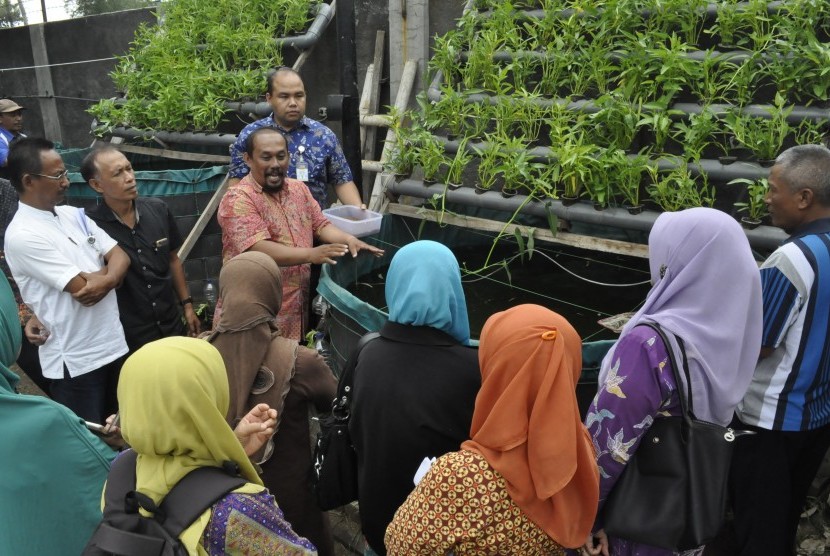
45 251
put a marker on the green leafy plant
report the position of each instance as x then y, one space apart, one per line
402 156
698 133
763 136
615 123
577 165
528 114
177 76
754 206
517 166
732 25
430 155
626 174
458 163
657 118
489 162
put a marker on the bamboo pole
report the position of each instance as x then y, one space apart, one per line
378 201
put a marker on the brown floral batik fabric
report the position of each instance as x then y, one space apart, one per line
462 506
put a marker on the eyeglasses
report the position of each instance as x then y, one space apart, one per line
59 177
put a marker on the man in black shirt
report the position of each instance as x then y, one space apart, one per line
154 287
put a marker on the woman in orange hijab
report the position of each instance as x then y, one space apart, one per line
527 481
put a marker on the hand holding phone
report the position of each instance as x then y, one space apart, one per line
112 423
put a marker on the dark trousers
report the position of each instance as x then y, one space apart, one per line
29 362
770 476
93 395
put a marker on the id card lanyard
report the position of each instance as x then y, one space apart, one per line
302 165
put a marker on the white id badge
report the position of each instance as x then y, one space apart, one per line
302 171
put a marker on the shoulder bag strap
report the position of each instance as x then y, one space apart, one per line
344 385
685 398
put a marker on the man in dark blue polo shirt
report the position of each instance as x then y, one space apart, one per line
788 401
154 288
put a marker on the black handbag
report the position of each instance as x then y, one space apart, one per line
334 474
672 492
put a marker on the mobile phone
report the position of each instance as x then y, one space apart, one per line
95 427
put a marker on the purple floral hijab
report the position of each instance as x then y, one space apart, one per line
706 289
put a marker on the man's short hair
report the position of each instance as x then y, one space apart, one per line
88 168
249 142
807 167
24 158
272 73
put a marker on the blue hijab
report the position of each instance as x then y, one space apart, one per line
423 288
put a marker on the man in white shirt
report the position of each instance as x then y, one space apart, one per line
66 268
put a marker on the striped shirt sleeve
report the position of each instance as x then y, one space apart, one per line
780 298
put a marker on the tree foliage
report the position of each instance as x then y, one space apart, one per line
81 8
10 14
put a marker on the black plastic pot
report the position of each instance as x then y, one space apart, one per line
568 200
749 223
634 209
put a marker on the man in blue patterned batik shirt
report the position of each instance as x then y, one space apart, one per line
788 401
316 157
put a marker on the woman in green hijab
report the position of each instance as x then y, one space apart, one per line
53 468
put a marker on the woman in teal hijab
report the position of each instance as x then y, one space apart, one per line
423 288
415 385
53 468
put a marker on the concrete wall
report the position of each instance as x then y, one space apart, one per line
66 89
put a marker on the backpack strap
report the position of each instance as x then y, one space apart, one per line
186 501
196 492
120 481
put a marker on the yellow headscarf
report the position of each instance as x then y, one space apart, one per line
173 396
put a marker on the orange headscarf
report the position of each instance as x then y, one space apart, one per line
526 421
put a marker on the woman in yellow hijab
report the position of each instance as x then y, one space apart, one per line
173 395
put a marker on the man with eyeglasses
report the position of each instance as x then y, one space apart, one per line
66 268
11 127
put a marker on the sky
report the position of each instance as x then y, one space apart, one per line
55 10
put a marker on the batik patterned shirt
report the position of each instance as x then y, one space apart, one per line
291 217
252 524
639 388
462 507
310 142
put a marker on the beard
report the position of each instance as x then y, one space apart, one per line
269 176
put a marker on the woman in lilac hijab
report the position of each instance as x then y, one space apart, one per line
706 289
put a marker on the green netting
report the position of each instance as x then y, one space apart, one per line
350 317
395 232
72 158
163 183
